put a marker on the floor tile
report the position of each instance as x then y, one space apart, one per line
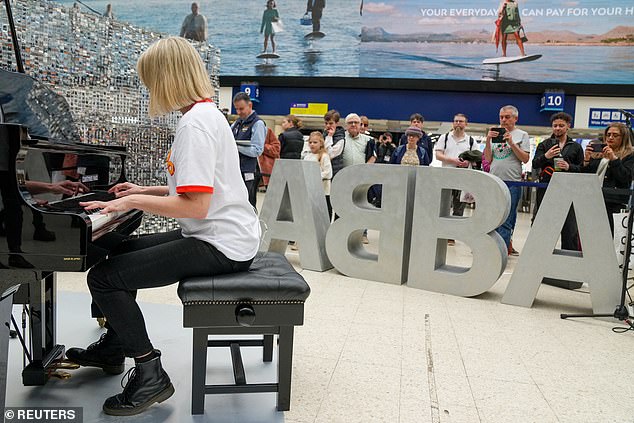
361 393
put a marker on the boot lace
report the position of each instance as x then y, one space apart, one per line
98 342
132 380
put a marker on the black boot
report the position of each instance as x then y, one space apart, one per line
106 353
148 383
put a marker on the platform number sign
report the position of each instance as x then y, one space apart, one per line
600 117
251 89
552 101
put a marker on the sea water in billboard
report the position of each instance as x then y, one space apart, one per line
582 41
566 41
239 29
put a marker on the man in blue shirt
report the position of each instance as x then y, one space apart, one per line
249 131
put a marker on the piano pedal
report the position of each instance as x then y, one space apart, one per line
60 375
64 364
101 321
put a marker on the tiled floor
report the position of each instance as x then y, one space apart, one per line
373 352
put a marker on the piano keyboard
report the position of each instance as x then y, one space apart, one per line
100 220
72 204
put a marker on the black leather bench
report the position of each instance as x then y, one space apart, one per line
266 300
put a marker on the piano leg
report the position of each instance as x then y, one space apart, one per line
6 305
42 303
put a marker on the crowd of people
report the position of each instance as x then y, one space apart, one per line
506 150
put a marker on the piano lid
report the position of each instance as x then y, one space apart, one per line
28 102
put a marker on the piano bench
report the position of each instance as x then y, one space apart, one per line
267 300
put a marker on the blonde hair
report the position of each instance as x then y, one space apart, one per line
322 147
626 143
174 74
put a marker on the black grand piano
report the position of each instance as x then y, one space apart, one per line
44 173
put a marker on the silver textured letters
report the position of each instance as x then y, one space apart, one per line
433 225
393 221
597 265
295 209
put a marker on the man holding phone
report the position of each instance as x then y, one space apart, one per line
506 160
562 154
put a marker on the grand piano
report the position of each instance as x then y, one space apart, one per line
44 173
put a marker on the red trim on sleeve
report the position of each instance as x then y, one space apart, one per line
194 188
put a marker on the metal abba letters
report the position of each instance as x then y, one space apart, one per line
414 223
393 221
295 209
433 225
597 264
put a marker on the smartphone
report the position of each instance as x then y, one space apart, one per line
598 148
500 137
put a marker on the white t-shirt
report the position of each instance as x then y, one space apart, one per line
204 158
451 147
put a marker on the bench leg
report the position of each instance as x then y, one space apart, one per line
268 348
285 368
199 371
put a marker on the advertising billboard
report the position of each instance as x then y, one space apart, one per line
565 41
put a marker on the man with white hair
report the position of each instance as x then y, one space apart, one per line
358 147
506 149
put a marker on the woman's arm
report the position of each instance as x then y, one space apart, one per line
395 158
621 170
128 188
193 205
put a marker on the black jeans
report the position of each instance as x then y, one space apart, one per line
147 262
569 232
12 210
457 205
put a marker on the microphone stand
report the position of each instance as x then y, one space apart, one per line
620 312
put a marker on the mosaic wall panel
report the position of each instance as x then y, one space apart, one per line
91 61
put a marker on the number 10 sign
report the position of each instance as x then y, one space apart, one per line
552 101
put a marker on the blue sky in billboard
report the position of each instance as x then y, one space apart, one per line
580 41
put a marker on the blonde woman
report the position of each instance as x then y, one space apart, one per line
614 163
205 193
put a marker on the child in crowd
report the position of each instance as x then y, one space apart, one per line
319 154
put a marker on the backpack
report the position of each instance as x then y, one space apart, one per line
511 12
471 140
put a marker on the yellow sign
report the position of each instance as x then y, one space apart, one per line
309 109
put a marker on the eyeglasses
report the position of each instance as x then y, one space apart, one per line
364 124
353 122
612 135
